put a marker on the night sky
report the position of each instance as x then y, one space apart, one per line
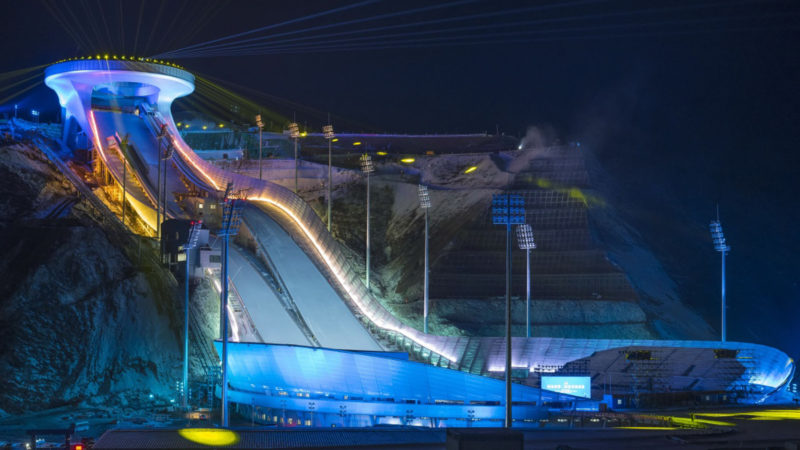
688 106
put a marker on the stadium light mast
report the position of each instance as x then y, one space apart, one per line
367 168
191 243
260 126
294 132
231 218
425 203
161 135
327 131
721 246
508 210
525 242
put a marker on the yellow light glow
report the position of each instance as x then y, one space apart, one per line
209 436
471 169
222 125
357 143
407 160
304 134
205 127
768 414
187 125
341 276
105 56
382 153
179 124
335 140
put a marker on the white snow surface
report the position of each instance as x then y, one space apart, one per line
328 317
267 313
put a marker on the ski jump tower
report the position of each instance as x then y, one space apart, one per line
85 83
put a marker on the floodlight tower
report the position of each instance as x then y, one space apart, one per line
294 132
166 156
191 242
161 137
525 242
508 210
425 203
367 168
231 218
260 126
327 131
721 246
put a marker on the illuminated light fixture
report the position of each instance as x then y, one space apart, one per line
407 160
187 125
205 127
367 168
294 133
335 140
222 125
381 153
97 57
179 124
123 57
471 169
114 57
260 125
304 134
327 132
105 56
723 248
213 437
425 203
356 143
525 242
508 209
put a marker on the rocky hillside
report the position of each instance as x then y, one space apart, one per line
86 314
594 276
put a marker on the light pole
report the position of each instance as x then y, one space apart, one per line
191 242
721 246
123 146
367 168
260 125
294 132
231 218
508 210
161 136
167 155
35 114
425 203
327 131
525 242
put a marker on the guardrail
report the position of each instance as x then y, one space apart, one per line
303 216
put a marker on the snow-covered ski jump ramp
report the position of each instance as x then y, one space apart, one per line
88 88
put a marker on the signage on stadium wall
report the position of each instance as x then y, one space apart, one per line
577 386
